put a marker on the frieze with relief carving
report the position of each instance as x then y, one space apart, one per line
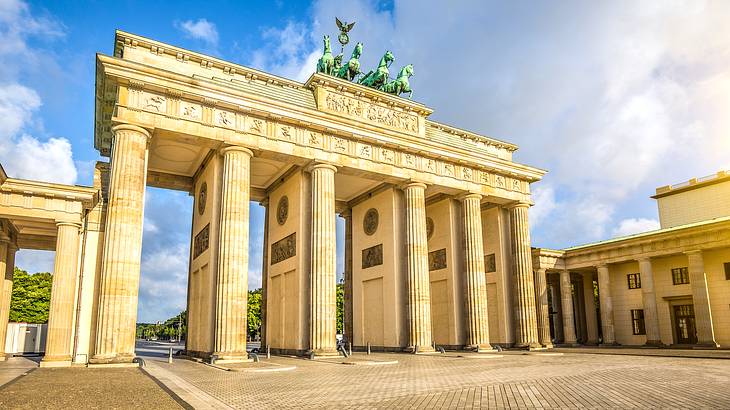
363 110
284 249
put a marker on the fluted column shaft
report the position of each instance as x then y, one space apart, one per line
543 310
604 298
651 317
61 312
265 274
7 266
323 279
700 299
348 328
524 286
590 309
477 316
566 298
419 297
119 281
232 280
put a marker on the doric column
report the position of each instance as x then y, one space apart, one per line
119 280
566 297
543 309
651 318
348 329
700 299
7 266
418 282
590 308
524 286
477 318
232 280
604 298
264 273
323 278
61 312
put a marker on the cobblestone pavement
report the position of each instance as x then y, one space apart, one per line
508 380
84 388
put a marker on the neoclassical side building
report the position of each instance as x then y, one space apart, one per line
660 288
437 243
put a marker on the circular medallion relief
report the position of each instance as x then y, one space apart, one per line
370 222
202 197
429 228
282 210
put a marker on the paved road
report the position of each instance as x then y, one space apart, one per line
508 380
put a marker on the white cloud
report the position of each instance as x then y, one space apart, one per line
22 154
200 29
632 226
613 98
289 52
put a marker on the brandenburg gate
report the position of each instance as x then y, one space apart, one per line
437 244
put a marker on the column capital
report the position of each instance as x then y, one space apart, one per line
602 266
643 259
62 222
319 165
264 202
4 238
412 184
540 270
235 148
129 127
346 213
693 252
519 204
469 195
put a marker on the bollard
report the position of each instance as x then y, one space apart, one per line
349 344
169 358
268 351
368 347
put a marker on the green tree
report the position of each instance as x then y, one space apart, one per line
340 307
31 297
255 299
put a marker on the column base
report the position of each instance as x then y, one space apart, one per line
653 343
230 357
480 348
706 345
548 345
612 344
528 346
114 359
55 361
419 349
322 353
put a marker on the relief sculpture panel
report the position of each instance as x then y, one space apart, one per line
362 110
284 249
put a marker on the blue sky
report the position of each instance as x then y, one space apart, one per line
614 98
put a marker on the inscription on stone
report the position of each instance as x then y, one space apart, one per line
372 256
284 249
201 241
437 259
489 263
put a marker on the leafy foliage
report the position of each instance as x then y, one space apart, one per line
169 329
255 298
340 307
31 297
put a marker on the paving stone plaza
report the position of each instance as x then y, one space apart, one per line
565 378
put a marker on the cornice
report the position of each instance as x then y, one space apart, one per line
86 195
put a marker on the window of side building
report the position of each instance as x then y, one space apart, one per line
637 321
680 276
634 280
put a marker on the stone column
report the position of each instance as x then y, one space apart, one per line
119 279
543 310
232 281
7 266
61 312
264 274
524 286
590 308
566 297
348 329
604 297
477 318
651 318
323 277
418 282
579 310
700 299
